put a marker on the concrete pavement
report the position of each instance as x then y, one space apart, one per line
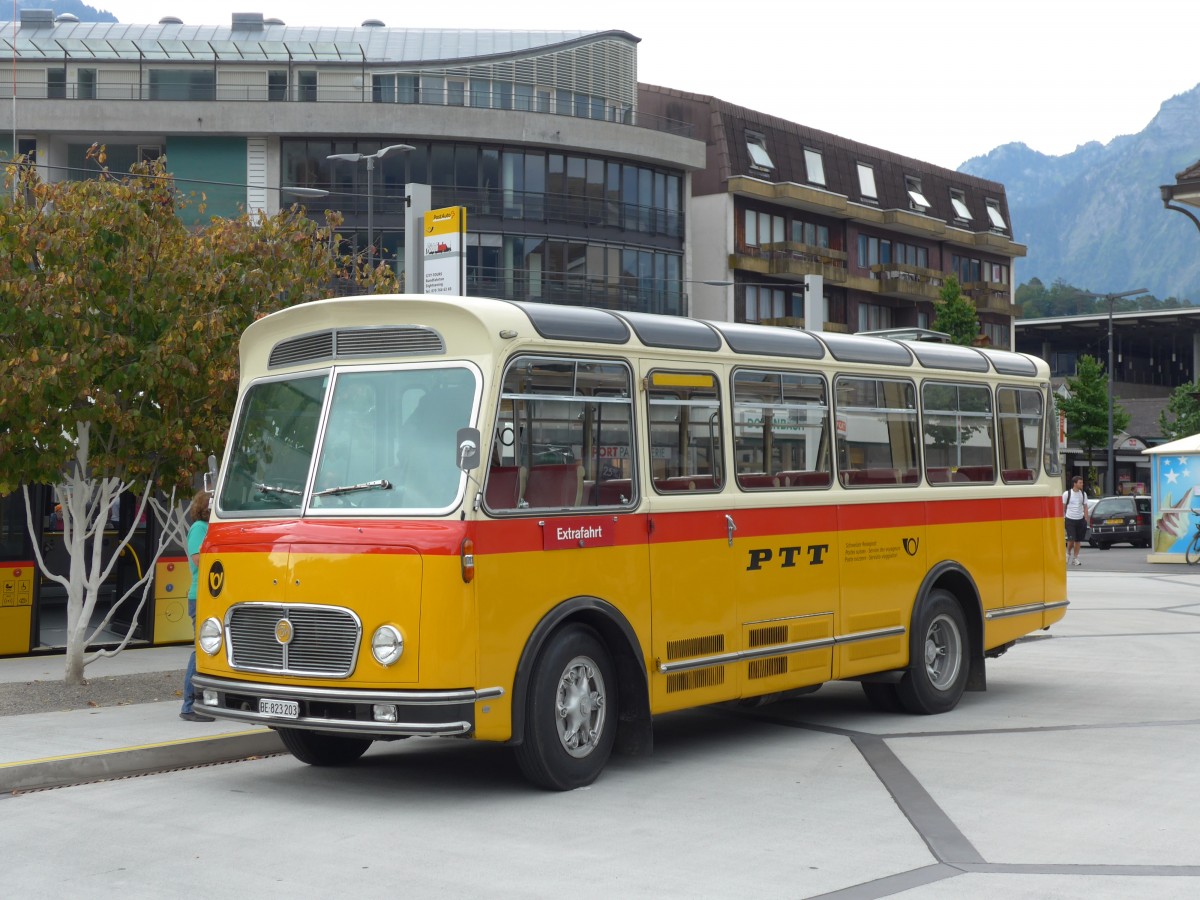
1072 776
56 748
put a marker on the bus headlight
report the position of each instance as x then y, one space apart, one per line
387 644
210 636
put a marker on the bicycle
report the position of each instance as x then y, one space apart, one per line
1192 554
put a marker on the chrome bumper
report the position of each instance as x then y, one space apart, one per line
345 711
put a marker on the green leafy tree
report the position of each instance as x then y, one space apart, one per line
118 351
1087 412
955 314
1181 416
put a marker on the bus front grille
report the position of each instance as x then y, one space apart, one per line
316 640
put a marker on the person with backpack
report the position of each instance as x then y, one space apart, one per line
1076 518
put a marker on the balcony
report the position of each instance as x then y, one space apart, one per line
792 260
908 282
990 296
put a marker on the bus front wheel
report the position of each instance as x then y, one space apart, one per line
322 749
937 667
570 712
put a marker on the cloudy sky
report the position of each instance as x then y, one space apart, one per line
939 80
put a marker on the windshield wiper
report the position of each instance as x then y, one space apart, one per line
274 489
380 484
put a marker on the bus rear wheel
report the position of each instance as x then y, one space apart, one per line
322 749
570 712
937 667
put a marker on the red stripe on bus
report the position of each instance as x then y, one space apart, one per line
527 534
438 538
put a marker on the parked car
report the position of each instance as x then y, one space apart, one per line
1120 520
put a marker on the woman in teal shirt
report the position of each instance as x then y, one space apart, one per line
198 511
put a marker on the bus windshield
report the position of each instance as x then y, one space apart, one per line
364 439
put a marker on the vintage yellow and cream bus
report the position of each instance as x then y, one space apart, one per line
544 525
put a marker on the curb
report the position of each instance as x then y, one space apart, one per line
77 768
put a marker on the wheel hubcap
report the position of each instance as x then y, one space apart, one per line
580 707
943 652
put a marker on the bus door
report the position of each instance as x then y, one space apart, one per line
787 537
694 561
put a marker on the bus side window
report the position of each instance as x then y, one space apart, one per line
685 431
877 431
564 432
1021 422
780 430
958 432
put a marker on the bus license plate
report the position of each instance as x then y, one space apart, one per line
282 709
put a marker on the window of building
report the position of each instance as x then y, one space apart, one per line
481 93
85 84
912 184
998 336
148 152
814 165
873 317
456 92
756 146
56 84
958 200
866 182
277 84
993 211
306 82
184 84
810 233
764 303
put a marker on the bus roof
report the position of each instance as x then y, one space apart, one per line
398 324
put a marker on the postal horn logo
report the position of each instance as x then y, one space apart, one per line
910 545
216 579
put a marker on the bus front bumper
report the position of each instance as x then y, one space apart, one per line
379 714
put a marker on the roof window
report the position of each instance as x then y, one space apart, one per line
917 200
814 165
866 182
958 199
993 211
756 146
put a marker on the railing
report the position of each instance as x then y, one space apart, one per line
790 258
989 295
525 206
655 296
563 103
913 282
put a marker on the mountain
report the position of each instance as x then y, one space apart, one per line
1094 217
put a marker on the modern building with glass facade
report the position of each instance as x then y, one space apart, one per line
572 194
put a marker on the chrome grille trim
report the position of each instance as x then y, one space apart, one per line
1027 609
325 639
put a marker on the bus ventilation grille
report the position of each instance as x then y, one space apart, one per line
697 646
774 634
699 678
765 668
355 343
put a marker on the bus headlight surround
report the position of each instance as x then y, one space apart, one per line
210 636
387 645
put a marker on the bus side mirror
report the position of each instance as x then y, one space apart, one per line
210 477
468 448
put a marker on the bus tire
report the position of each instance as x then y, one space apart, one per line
571 712
938 659
883 696
322 749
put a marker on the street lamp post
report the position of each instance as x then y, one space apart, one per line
370 160
1110 476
